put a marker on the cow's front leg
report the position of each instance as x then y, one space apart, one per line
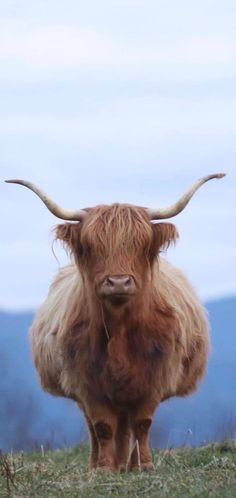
104 424
93 458
141 456
123 436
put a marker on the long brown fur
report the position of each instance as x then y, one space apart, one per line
119 363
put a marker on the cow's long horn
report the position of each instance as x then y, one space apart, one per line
51 205
169 212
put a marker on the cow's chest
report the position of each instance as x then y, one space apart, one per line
126 370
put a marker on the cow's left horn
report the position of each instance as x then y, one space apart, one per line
51 205
169 212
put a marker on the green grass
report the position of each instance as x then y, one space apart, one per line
209 471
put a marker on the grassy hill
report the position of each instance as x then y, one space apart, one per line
209 471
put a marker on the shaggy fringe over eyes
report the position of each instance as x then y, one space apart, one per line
120 226
119 230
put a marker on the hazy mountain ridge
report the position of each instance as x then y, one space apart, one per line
29 417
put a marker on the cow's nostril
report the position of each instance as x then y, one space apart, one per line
128 281
110 281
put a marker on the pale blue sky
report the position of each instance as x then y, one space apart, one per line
117 101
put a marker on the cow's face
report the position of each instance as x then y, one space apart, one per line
115 248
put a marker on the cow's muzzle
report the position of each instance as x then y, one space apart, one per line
117 288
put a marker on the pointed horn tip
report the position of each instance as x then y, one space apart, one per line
11 181
220 175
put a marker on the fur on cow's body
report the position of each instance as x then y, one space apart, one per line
119 361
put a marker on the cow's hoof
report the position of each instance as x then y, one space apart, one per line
144 467
122 468
105 468
147 467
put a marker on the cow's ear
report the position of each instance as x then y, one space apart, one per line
164 234
69 234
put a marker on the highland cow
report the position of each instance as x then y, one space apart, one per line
121 329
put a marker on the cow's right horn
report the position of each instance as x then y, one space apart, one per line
51 205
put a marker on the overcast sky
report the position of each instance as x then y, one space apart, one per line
129 100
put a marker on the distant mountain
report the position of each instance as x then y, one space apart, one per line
29 417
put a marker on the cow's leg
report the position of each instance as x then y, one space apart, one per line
93 457
123 436
141 457
104 424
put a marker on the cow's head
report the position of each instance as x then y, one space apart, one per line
115 246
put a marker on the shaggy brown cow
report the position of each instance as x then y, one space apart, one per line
121 329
